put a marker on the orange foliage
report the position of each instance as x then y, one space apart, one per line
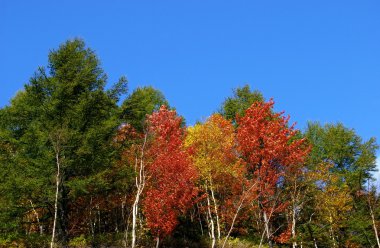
171 176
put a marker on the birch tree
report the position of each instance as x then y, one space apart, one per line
269 146
212 149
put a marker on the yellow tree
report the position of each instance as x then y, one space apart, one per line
211 146
333 201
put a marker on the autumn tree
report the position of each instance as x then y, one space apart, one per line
269 146
333 203
77 169
132 141
212 149
171 176
297 188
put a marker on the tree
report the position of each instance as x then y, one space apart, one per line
12 183
212 149
70 99
171 185
353 159
269 147
352 163
333 202
298 186
373 201
142 102
134 155
241 100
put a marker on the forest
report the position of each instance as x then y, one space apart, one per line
85 165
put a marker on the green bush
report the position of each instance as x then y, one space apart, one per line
79 242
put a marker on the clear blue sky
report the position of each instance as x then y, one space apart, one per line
319 60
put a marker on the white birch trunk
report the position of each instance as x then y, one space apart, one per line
266 230
233 222
134 218
212 231
236 213
294 226
158 242
215 208
140 183
374 223
266 224
56 198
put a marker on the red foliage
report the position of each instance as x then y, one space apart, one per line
269 146
284 237
171 182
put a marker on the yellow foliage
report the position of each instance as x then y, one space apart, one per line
212 146
333 199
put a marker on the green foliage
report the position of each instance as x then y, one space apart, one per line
119 88
65 113
79 242
353 159
242 243
140 103
241 100
32 240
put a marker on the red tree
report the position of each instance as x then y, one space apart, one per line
270 147
171 176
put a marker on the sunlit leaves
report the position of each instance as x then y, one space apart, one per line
170 186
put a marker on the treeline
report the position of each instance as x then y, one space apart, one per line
79 169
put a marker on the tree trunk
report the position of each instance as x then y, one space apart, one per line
233 222
140 183
92 224
126 231
294 226
212 231
158 242
58 178
215 208
311 231
134 218
63 210
373 223
267 229
245 194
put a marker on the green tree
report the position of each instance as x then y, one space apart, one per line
241 100
352 163
63 117
353 158
142 102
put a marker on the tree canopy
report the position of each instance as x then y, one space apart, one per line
80 167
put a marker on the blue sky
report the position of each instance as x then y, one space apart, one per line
319 60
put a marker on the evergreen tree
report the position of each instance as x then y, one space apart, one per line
61 126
